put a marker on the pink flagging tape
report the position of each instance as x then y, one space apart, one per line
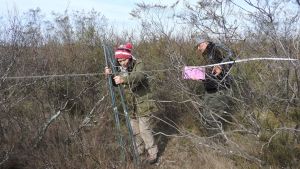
193 72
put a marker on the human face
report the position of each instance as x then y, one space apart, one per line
123 62
202 46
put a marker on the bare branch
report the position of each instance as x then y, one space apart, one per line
47 124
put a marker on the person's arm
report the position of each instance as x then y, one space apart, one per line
137 75
227 55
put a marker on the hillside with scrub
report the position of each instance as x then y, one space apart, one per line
55 106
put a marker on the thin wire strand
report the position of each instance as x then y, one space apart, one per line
53 76
157 70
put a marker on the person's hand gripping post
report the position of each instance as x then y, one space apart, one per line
118 79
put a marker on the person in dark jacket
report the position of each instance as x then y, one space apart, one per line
138 98
217 83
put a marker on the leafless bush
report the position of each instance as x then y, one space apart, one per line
53 117
47 120
261 88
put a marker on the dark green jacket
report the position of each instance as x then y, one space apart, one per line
216 53
138 94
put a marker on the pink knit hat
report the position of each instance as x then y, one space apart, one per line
124 51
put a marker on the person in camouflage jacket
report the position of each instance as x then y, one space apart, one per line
138 98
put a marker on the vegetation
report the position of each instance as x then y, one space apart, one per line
55 109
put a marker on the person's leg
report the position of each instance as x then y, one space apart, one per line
147 136
209 118
216 108
137 136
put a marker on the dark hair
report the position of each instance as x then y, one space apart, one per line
118 64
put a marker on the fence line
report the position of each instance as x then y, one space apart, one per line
157 70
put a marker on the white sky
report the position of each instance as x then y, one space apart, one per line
117 11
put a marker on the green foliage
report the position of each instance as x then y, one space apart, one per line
281 151
71 44
295 115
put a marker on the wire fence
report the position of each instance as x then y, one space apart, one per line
149 71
